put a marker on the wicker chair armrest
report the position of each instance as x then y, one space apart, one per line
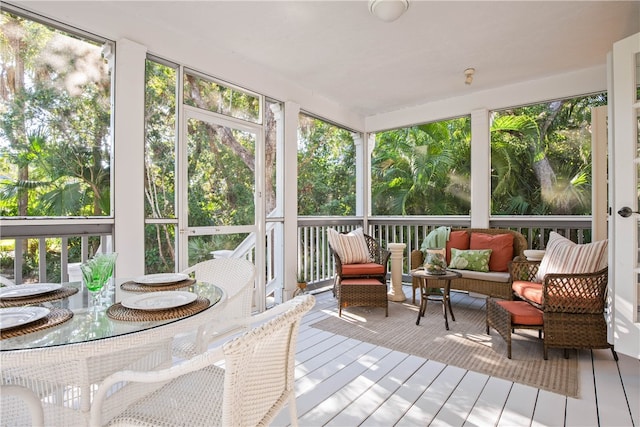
417 259
196 363
575 293
383 258
524 270
29 398
338 262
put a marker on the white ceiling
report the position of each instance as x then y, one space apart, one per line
338 51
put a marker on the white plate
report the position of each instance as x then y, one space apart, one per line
161 279
159 300
18 316
21 291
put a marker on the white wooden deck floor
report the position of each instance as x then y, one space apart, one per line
345 382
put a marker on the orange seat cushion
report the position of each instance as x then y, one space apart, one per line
364 282
522 313
528 290
366 269
501 246
459 240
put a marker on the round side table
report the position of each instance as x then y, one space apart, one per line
429 281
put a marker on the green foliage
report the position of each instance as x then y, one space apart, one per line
541 158
326 169
422 170
55 127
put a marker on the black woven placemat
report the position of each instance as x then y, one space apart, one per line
63 292
55 317
132 286
119 312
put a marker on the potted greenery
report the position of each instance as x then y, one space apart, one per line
302 283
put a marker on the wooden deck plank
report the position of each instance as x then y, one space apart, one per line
361 408
313 372
366 372
630 376
550 409
329 343
394 408
582 411
343 382
518 410
433 398
488 408
458 406
609 391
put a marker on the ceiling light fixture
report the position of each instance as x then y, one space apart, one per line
388 10
468 75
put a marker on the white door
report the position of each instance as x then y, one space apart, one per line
623 187
220 182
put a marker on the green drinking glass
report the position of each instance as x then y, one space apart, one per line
96 273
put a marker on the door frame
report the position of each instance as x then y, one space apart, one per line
623 188
259 226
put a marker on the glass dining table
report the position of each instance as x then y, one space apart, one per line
87 325
62 365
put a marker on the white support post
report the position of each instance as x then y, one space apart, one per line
291 113
480 169
397 252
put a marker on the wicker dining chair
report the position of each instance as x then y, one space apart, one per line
20 405
255 384
572 306
236 277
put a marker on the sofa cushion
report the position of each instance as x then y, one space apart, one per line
364 269
529 291
351 248
491 276
459 240
501 246
477 260
564 256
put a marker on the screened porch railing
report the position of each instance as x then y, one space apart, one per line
315 261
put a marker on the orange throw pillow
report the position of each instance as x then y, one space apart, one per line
458 240
501 246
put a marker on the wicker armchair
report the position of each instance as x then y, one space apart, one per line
572 305
255 384
376 269
236 277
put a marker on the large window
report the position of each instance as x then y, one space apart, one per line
160 166
326 169
55 145
541 158
422 170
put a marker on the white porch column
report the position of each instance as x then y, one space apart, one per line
396 293
360 167
290 214
128 154
480 169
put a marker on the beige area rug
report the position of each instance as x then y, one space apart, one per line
465 345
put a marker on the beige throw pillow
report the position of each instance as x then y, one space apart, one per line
351 248
563 256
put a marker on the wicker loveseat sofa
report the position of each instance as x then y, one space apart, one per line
492 283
